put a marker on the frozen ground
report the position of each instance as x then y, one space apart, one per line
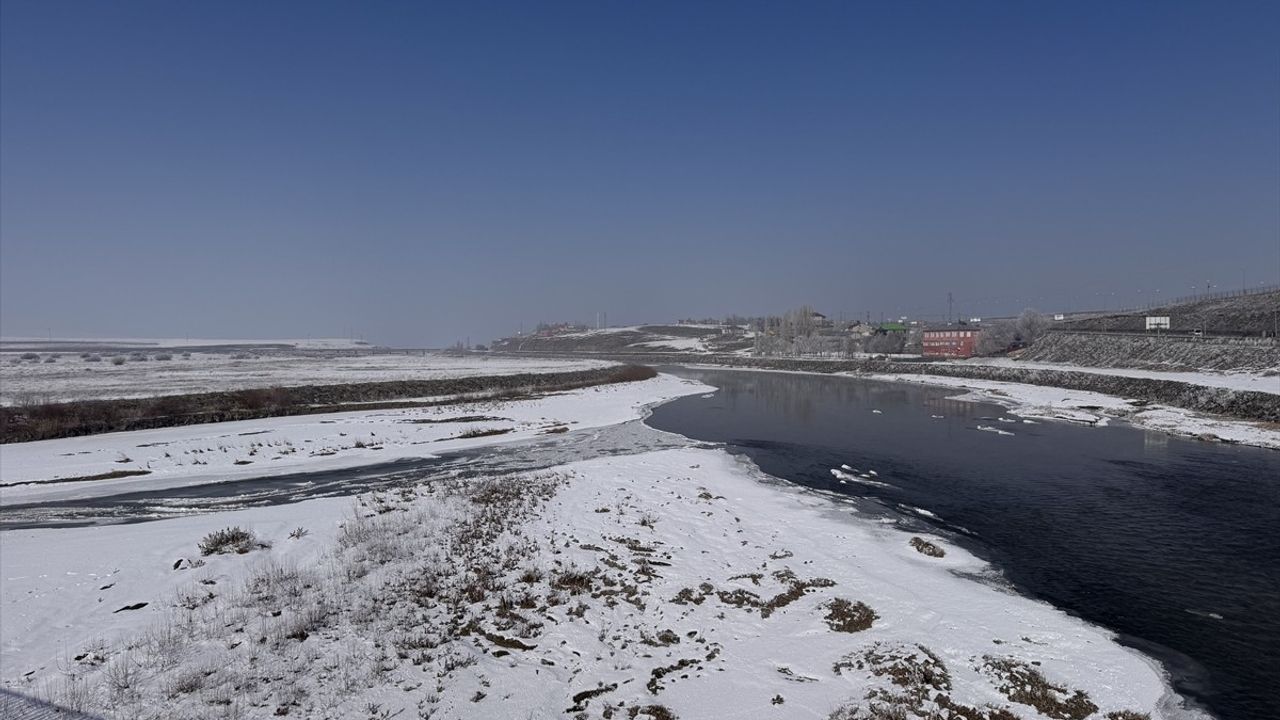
70 377
196 454
1091 408
39 344
678 581
1208 378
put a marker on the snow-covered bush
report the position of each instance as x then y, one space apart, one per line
230 540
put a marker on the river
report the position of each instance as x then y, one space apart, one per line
1173 543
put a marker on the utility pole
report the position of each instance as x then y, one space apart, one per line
950 304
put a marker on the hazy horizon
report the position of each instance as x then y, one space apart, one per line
425 174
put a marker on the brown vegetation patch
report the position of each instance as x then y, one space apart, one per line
924 547
580 699
850 617
574 581
81 478
230 540
496 639
922 685
477 433
915 669
1022 683
460 419
797 590
656 712
655 676
689 595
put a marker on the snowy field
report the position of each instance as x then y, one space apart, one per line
677 583
39 344
70 377
1091 408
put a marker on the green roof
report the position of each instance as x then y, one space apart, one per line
893 326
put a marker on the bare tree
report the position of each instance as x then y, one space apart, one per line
996 337
886 344
1031 325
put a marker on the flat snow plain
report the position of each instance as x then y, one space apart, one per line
72 378
677 578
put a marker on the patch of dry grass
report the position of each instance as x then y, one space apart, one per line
849 617
1022 683
924 547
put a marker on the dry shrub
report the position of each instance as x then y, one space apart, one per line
924 547
230 540
1022 683
850 617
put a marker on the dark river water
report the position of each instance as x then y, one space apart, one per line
1174 544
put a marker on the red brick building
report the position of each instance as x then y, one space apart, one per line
951 342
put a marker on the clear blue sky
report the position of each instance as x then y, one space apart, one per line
423 172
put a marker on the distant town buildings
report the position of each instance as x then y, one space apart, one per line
951 342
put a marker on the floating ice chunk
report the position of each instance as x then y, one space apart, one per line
937 417
991 429
845 477
877 412
918 510
1204 614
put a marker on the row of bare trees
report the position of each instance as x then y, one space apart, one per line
1000 335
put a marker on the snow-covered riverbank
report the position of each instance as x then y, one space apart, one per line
677 581
678 578
1238 380
1091 408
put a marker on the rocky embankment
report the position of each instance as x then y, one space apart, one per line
1152 352
1237 404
